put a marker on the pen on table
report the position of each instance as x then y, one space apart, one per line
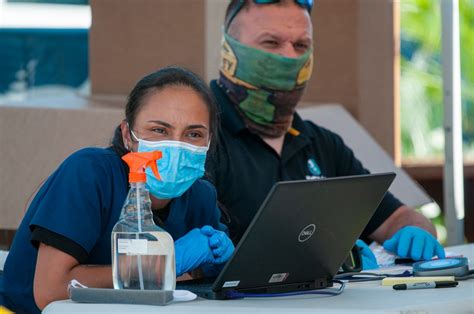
407 260
426 285
402 260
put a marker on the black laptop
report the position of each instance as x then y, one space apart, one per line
299 237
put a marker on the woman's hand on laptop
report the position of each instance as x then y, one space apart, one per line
219 243
415 243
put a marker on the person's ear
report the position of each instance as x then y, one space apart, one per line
127 140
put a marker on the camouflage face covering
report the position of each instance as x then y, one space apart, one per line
266 87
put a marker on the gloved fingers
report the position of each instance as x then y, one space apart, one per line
367 252
429 249
419 240
208 230
416 242
222 249
225 255
216 240
224 252
439 250
392 243
219 260
363 247
192 250
368 258
217 252
361 244
179 268
369 263
179 251
404 243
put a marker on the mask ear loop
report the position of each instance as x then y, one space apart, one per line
133 137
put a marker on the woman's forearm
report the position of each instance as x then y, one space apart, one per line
55 269
88 275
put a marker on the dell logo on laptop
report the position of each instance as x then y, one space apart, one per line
306 233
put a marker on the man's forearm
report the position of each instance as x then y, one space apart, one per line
403 216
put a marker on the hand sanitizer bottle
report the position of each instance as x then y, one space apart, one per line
142 253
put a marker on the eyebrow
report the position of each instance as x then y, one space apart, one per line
165 124
161 123
303 37
196 126
268 34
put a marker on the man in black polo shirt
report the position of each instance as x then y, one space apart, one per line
266 60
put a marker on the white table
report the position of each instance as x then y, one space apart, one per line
357 298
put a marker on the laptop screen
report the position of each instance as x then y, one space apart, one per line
303 232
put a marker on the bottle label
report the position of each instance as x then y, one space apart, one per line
132 246
158 248
142 247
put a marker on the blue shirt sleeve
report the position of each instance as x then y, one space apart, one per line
195 209
211 208
71 199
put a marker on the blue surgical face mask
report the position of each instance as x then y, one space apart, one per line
181 165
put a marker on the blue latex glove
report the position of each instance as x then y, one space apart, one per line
220 244
368 258
415 243
192 250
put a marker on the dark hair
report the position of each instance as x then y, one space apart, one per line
230 12
235 6
169 76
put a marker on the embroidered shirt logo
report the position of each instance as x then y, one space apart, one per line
314 170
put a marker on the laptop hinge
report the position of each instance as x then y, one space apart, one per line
319 283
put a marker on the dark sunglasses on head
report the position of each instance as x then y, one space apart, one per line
307 4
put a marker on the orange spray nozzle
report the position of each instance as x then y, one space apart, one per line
139 161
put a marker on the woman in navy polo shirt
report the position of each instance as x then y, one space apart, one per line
66 231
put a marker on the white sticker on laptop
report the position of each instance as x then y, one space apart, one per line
231 284
278 277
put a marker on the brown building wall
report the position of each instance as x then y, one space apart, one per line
131 38
335 77
356 49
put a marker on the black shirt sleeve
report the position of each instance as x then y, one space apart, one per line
59 242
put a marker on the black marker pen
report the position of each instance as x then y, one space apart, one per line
402 260
426 285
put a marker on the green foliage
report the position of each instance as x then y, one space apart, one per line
421 77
